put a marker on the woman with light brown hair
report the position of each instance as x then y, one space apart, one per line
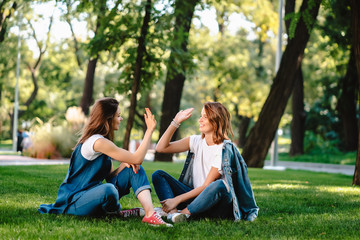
82 192
214 181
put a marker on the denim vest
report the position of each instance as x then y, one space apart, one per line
236 176
81 176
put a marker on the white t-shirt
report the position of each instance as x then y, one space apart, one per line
205 158
87 149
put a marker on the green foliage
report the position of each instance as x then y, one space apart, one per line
305 15
327 56
235 69
317 144
293 205
331 156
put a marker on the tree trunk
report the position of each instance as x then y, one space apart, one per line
355 12
175 78
263 132
299 115
243 127
137 73
87 98
347 105
4 17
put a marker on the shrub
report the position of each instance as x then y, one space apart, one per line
316 144
51 140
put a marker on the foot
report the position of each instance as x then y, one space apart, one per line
178 217
134 212
155 220
160 212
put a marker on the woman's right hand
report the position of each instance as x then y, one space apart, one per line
183 115
149 120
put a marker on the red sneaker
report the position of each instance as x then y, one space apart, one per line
134 212
155 220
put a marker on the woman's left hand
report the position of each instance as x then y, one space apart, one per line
169 204
136 168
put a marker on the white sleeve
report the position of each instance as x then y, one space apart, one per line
195 140
87 149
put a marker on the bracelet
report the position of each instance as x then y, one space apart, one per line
175 124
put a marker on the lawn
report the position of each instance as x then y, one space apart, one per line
293 205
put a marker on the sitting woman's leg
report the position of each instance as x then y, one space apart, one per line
167 187
96 201
127 178
215 201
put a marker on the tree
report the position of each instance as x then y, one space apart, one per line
5 14
178 62
355 15
263 132
338 27
68 16
137 73
346 105
87 98
35 66
299 116
297 104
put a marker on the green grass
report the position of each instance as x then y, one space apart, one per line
293 205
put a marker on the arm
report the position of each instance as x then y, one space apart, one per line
164 145
110 149
121 167
170 204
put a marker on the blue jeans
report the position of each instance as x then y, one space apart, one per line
104 198
215 201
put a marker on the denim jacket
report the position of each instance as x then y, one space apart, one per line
236 176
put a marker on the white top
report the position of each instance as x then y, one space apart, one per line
87 149
205 157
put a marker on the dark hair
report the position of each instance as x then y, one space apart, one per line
101 119
220 119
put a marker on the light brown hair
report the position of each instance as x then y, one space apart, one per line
220 119
101 119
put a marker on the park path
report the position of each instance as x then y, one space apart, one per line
11 160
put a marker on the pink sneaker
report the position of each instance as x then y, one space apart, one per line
134 212
155 220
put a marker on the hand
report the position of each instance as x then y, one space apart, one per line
136 168
183 115
149 120
169 204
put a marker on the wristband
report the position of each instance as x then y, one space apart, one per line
175 124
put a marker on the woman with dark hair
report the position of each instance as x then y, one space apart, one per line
82 192
214 181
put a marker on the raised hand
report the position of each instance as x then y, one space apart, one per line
149 120
183 115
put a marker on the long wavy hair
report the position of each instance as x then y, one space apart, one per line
100 119
220 119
